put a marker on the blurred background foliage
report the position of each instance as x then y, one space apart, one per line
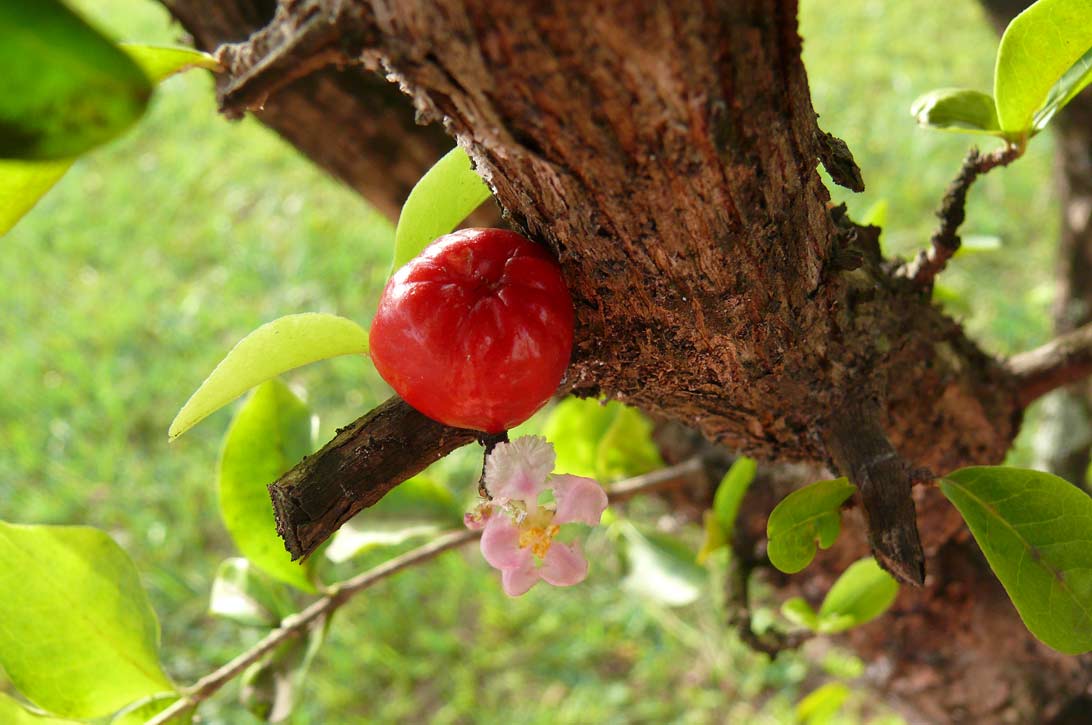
157 253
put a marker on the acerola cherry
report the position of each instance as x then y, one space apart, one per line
475 332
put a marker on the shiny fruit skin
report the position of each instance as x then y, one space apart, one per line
476 331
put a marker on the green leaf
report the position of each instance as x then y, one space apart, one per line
1069 85
144 710
1038 49
802 519
22 184
1034 529
821 704
416 508
241 593
733 487
863 592
271 687
65 88
78 636
160 62
799 612
269 435
661 567
441 199
957 109
274 348
604 441
714 539
12 712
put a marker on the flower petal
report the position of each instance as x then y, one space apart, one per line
479 517
563 565
579 500
517 581
500 544
518 469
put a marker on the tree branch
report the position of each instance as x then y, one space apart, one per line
336 595
945 241
1063 360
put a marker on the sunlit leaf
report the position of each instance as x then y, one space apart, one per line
799 612
22 184
804 519
821 704
269 435
733 487
714 538
1069 85
274 348
144 710
1034 529
1038 49
64 88
626 448
160 62
863 592
957 109
13 713
78 636
661 567
243 594
441 199
271 687
604 441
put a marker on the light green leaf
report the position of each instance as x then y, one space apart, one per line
661 567
241 593
416 508
1069 85
799 612
274 348
78 636
13 713
604 441
876 215
160 62
626 448
271 687
270 434
714 539
804 518
65 88
144 710
1037 50
821 704
441 199
22 184
1034 529
733 487
863 592
957 109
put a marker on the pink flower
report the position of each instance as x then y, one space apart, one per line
518 536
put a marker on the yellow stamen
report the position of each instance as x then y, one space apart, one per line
537 532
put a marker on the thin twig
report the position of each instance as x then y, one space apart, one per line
945 241
737 592
1064 360
338 594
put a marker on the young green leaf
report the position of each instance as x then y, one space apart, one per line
661 567
731 490
821 704
714 538
243 594
64 88
799 612
13 713
803 519
1039 48
863 592
160 62
418 507
1034 529
605 441
274 348
626 448
1073 82
270 434
22 184
957 109
78 636
441 199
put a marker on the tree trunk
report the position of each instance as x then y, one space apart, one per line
667 153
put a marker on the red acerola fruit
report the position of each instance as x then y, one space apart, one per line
475 332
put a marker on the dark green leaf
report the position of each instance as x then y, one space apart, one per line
957 109
661 567
441 199
245 595
863 592
270 434
77 634
64 88
271 687
1034 529
274 348
1039 48
803 519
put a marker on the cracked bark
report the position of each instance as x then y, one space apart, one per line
667 155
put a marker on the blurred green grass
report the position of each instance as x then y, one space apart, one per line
157 253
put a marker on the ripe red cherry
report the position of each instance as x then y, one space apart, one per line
475 332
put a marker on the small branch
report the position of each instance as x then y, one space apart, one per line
1063 360
945 241
338 594
357 468
737 593
856 441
